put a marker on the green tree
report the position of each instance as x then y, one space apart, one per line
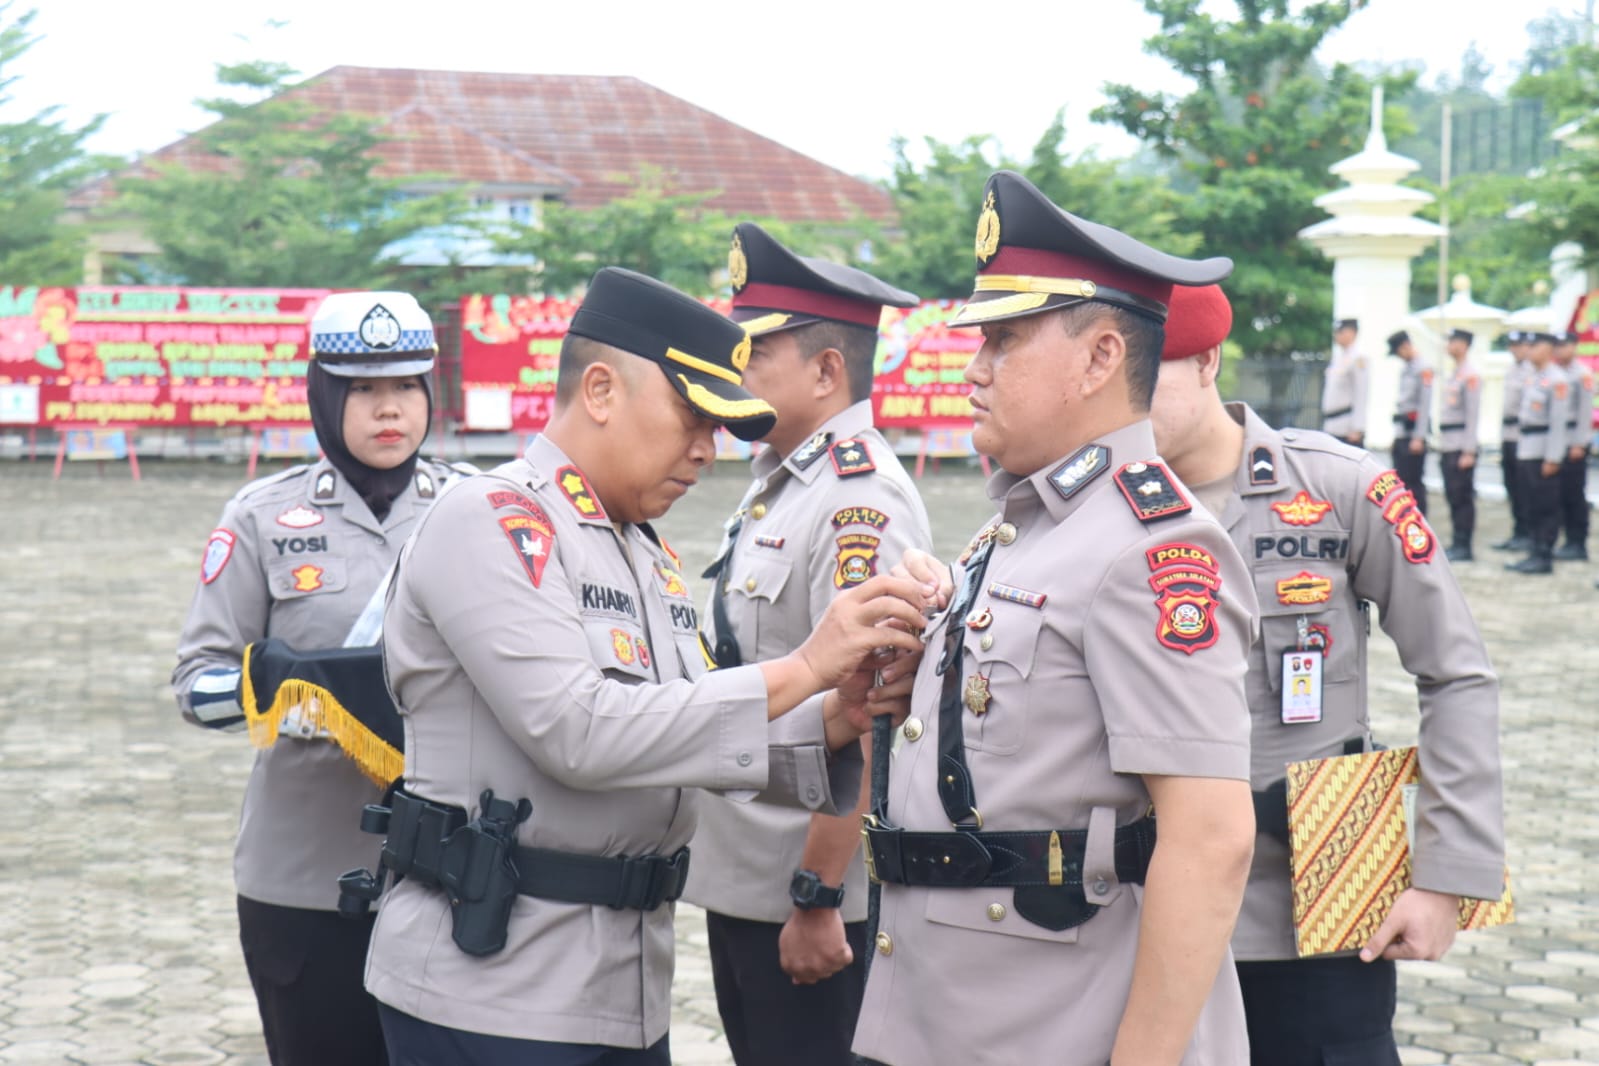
1256 133
40 159
281 193
1564 199
939 201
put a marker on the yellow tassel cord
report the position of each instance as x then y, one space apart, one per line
377 759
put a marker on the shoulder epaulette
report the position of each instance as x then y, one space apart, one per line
1151 492
1314 440
272 479
851 458
811 450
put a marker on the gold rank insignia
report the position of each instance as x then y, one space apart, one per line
576 488
738 267
977 694
987 231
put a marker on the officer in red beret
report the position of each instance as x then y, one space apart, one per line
1328 532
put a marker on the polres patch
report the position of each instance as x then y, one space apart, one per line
533 537
218 550
857 559
1415 536
859 516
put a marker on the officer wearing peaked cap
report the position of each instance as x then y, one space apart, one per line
1457 436
1545 411
1089 664
1412 417
298 556
543 651
830 505
1327 533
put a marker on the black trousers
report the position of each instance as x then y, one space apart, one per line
770 1021
1460 488
1574 499
1409 468
1518 506
1320 1012
306 967
414 1042
1542 496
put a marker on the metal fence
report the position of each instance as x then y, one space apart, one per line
1285 390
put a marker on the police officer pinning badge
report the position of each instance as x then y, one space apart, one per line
1151 491
1185 579
857 559
533 537
326 486
300 517
1302 510
218 550
1079 469
379 329
811 450
851 458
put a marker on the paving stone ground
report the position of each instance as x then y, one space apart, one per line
118 939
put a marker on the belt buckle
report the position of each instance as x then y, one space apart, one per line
868 823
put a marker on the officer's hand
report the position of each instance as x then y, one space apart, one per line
1422 925
1357 439
1468 460
885 612
1550 469
1576 453
848 711
812 946
1417 446
928 571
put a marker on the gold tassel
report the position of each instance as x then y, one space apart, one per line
378 760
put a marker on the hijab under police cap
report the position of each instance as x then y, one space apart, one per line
774 289
1032 256
702 353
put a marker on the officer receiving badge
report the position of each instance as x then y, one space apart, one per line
300 517
1085 464
533 537
857 559
1186 581
1151 491
218 550
576 487
1302 510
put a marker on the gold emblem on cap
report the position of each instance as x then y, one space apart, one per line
987 231
738 268
741 354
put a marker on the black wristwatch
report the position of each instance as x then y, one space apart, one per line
808 892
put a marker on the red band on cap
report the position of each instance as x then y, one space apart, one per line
809 302
1036 262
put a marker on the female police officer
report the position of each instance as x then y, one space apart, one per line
297 556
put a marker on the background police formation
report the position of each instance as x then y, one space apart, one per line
1086 792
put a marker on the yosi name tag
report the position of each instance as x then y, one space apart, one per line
1301 687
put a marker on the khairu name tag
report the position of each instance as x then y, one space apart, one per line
1301 687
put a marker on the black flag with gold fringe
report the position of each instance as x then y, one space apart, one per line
336 693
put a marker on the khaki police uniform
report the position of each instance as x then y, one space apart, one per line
1574 471
1084 676
1413 421
1545 407
1458 418
1509 441
1343 393
805 531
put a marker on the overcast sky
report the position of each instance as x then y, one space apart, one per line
836 80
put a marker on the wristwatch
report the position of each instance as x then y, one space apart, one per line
808 892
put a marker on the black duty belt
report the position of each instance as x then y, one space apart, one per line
1511 421
641 882
1409 421
1000 859
1452 425
1338 413
1533 431
1572 424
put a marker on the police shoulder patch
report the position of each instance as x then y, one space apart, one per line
1186 582
851 458
532 536
1081 467
1151 492
811 450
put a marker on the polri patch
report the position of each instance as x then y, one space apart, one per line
1302 510
300 517
1151 492
533 538
1262 465
859 516
218 550
851 458
576 487
811 450
1081 467
1186 586
1011 594
857 559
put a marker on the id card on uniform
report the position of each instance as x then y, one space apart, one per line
1301 686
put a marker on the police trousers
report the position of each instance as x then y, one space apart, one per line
1542 497
1335 1011
1507 471
771 1021
1460 488
306 968
414 1042
1574 499
1409 467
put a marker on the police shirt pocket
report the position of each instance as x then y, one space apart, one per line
1001 643
297 577
618 648
989 910
1314 596
761 578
